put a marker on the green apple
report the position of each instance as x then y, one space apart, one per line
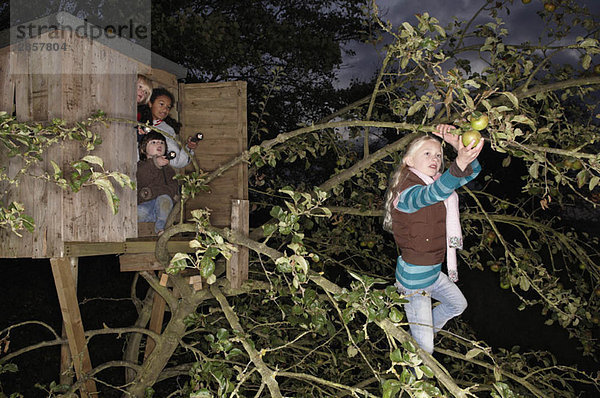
479 122
471 135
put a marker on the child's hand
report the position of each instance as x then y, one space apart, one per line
467 154
191 144
444 131
160 161
141 131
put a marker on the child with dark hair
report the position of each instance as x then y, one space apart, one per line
160 104
157 190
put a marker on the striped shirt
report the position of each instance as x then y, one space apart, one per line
415 198
418 196
416 276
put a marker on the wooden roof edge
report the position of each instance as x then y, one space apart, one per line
124 46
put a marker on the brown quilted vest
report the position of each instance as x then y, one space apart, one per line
421 236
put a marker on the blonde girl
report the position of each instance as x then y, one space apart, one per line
421 210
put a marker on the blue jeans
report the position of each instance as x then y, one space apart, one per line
156 210
423 320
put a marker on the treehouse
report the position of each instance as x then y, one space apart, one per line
71 78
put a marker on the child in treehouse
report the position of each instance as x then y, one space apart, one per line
160 104
421 210
157 190
143 93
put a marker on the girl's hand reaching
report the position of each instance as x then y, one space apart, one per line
467 154
444 131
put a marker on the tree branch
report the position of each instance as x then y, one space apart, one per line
268 375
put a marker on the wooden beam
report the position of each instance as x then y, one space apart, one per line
66 362
85 249
69 306
158 315
139 262
237 268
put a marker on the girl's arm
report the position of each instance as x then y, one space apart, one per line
418 196
181 157
466 154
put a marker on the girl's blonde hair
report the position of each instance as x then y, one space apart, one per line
399 174
147 85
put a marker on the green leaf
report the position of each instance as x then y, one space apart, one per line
524 120
427 371
222 334
513 98
390 388
589 42
414 108
593 182
57 170
207 267
396 356
234 352
94 160
586 61
533 169
440 30
472 353
178 263
582 178
276 212
395 315
352 351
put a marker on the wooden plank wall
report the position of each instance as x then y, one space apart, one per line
30 85
71 85
218 110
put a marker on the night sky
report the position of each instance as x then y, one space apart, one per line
523 24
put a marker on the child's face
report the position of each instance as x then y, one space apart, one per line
427 158
142 93
161 107
155 148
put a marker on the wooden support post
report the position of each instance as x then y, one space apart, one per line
69 307
237 268
158 315
66 362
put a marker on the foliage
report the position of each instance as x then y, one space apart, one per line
27 144
303 41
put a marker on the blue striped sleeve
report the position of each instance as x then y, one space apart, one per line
419 196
